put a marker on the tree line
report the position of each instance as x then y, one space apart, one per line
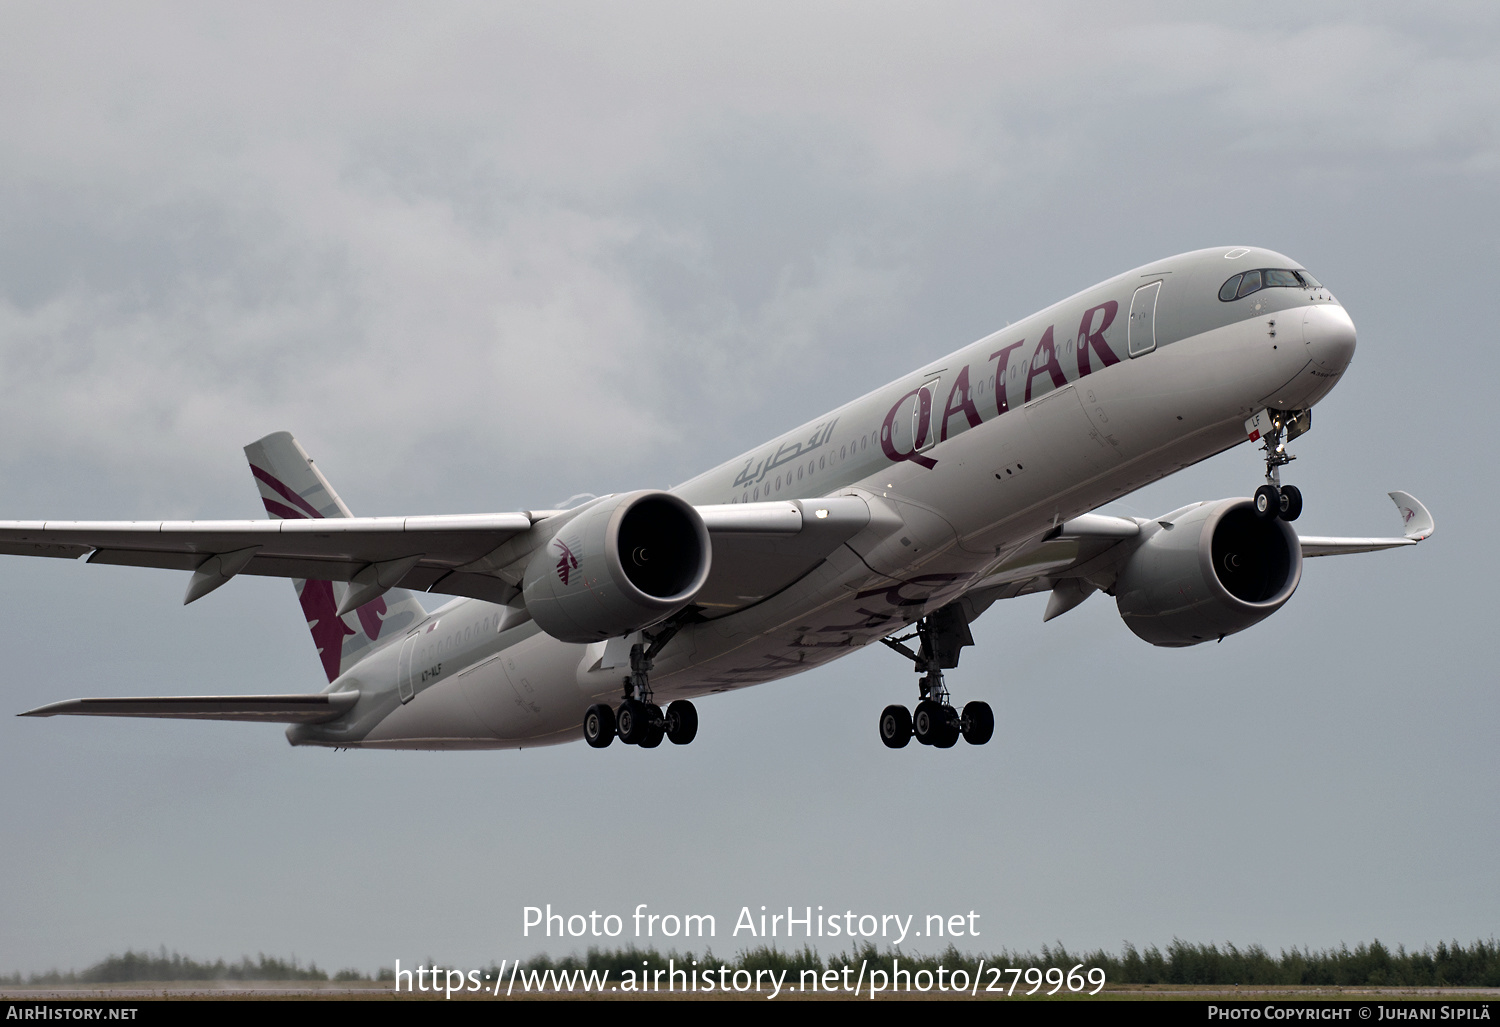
1450 964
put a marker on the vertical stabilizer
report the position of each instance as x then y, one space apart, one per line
291 486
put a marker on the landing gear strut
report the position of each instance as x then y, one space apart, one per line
638 720
1277 428
941 635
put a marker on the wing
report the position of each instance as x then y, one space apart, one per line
421 553
275 709
1092 546
1419 525
758 548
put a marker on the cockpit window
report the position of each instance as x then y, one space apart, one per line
1265 278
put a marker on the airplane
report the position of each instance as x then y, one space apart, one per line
897 518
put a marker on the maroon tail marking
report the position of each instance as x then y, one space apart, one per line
328 628
369 617
285 492
317 596
286 513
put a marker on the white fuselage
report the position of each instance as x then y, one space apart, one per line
966 462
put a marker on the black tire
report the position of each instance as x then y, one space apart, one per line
654 735
682 722
599 725
948 728
1291 502
895 727
977 723
927 721
632 720
1267 502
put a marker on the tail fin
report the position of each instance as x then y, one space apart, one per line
291 486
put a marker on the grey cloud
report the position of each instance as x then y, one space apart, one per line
482 257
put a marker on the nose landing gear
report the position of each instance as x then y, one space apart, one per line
941 635
1277 428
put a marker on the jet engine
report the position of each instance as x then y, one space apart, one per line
1215 570
625 563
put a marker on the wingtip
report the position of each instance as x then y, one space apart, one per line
1416 517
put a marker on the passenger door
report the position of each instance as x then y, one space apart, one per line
1142 327
405 686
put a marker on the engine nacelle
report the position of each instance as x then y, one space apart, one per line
1218 569
624 564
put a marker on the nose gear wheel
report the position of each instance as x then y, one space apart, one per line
1274 499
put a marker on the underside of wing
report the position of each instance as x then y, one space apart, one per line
758 548
1081 556
1063 552
277 709
420 553
1321 545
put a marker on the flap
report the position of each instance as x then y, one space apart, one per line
761 548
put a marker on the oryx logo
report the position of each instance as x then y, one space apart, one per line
569 563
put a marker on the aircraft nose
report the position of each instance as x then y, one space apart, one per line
1329 333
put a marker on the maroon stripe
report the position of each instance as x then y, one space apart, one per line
285 492
286 513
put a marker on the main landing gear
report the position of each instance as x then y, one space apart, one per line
1274 499
638 720
941 634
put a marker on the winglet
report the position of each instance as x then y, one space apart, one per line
1419 523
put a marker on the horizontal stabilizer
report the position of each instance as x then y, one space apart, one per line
271 709
1418 521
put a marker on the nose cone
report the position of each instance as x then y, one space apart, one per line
1329 334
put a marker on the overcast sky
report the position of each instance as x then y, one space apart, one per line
483 258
